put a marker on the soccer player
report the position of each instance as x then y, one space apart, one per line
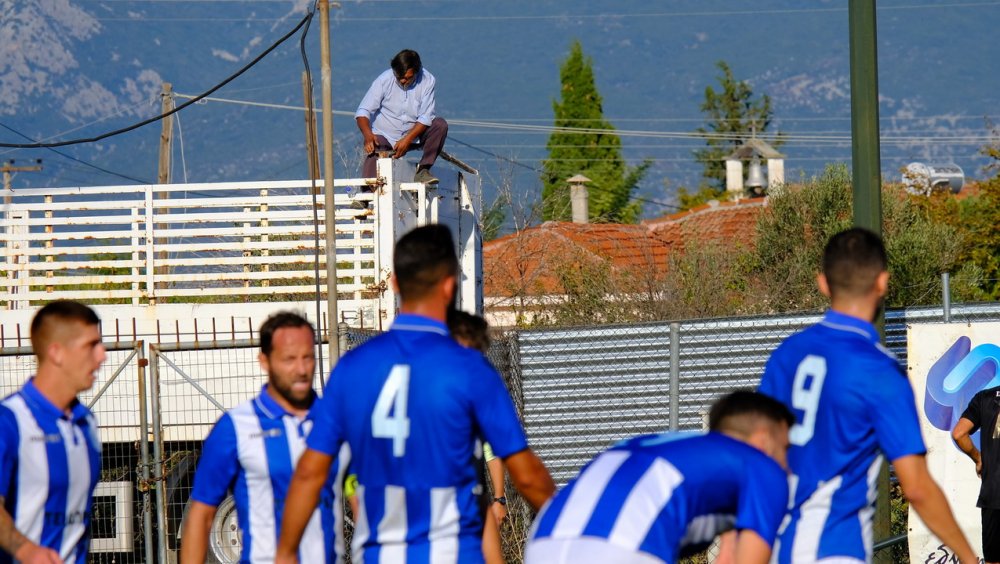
852 400
50 450
252 451
411 404
659 498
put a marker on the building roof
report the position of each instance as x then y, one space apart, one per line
754 147
527 263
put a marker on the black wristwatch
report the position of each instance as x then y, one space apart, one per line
502 500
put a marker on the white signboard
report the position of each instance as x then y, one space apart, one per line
948 364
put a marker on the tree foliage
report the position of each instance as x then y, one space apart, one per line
732 113
597 156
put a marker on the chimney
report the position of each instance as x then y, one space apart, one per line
579 198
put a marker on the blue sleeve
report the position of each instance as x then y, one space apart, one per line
763 498
894 413
372 100
9 439
769 382
426 109
325 435
495 413
219 464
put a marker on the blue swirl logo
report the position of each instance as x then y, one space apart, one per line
955 378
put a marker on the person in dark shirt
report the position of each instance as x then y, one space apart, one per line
982 413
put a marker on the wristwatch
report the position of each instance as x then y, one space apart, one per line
502 500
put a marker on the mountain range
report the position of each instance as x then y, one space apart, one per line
78 68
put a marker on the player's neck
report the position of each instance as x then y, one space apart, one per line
285 404
431 309
860 309
50 385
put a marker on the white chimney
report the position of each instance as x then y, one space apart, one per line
579 198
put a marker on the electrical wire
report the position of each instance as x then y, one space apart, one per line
180 135
154 119
81 161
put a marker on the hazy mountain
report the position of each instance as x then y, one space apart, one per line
76 68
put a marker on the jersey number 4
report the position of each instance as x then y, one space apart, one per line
389 419
805 396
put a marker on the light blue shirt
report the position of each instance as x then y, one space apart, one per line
394 110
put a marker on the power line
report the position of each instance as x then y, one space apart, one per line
208 92
81 161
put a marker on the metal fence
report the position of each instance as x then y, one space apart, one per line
578 390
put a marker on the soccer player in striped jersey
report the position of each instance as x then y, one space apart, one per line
853 405
50 449
659 498
252 451
411 403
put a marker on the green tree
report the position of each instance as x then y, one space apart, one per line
733 113
596 155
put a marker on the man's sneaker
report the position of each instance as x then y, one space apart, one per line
424 175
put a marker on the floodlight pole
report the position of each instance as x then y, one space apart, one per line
329 206
866 170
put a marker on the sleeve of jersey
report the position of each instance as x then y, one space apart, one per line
972 413
8 448
897 425
495 414
325 434
768 384
219 464
763 500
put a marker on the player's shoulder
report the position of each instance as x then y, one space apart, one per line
986 393
427 76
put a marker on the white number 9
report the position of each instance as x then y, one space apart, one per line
811 371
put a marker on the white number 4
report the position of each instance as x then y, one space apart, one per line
812 370
389 419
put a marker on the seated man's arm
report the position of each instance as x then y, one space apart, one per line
928 500
311 473
530 477
194 536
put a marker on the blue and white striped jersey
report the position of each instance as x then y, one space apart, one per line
665 497
411 403
50 463
252 451
851 400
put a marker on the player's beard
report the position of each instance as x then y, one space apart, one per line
289 395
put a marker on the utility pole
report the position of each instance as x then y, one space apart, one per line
330 210
312 152
163 176
11 230
7 168
866 170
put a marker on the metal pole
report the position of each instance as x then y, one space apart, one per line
329 205
946 296
158 479
867 177
675 373
865 162
147 506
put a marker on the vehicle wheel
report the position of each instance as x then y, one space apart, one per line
225 541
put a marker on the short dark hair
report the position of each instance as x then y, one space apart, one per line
853 260
46 320
422 258
741 410
472 329
405 60
280 320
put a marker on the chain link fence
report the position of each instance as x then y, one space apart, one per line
578 390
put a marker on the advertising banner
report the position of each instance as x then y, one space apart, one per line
947 365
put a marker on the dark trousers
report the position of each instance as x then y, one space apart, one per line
430 142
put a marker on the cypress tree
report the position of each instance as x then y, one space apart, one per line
597 156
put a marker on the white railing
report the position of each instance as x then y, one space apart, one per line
227 242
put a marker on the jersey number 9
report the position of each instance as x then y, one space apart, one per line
389 419
806 390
